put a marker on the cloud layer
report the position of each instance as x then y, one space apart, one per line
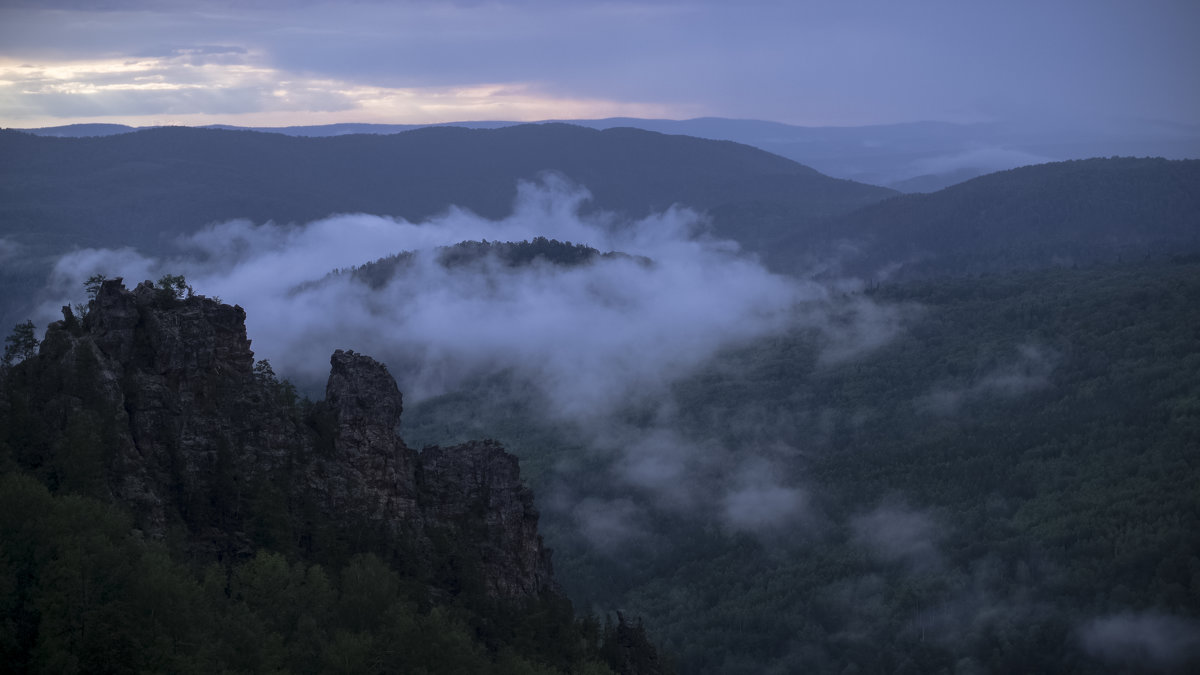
592 341
1149 641
591 334
897 533
819 63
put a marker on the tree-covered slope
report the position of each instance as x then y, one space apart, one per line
1008 485
169 505
1059 213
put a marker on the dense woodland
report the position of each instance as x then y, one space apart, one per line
80 593
1016 461
248 575
1078 212
1043 425
507 253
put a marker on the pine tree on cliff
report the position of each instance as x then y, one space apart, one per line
21 344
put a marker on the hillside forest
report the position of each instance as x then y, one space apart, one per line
772 421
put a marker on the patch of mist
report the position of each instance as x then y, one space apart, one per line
1144 640
759 501
669 473
663 464
608 525
898 533
9 249
981 601
963 608
1028 371
851 324
989 158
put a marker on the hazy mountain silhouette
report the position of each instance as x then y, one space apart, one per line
1050 214
935 154
146 187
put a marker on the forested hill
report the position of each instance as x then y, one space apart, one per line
541 250
168 505
144 188
1060 213
1007 486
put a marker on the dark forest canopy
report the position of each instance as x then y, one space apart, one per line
539 250
1006 483
1061 213
1011 477
169 505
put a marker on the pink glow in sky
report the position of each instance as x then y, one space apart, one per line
847 62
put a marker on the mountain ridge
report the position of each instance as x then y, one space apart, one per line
1060 213
190 177
893 155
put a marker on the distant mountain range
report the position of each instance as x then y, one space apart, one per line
144 189
909 157
147 187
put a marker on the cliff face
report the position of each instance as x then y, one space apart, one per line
371 471
477 486
200 441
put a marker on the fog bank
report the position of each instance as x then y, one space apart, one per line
589 340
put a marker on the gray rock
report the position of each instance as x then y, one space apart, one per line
203 441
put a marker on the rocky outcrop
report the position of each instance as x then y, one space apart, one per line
371 471
196 438
478 484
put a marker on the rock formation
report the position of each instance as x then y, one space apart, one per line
199 441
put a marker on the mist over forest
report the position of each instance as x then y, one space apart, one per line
588 335
790 423
612 337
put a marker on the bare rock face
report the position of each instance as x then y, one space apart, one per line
478 483
365 396
114 320
178 373
205 443
371 468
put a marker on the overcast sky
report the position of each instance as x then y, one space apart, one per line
837 62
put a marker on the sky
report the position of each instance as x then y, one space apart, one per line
839 62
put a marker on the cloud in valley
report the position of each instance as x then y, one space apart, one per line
1144 640
898 533
760 501
591 334
607 525
983 159
591 340
1028 371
